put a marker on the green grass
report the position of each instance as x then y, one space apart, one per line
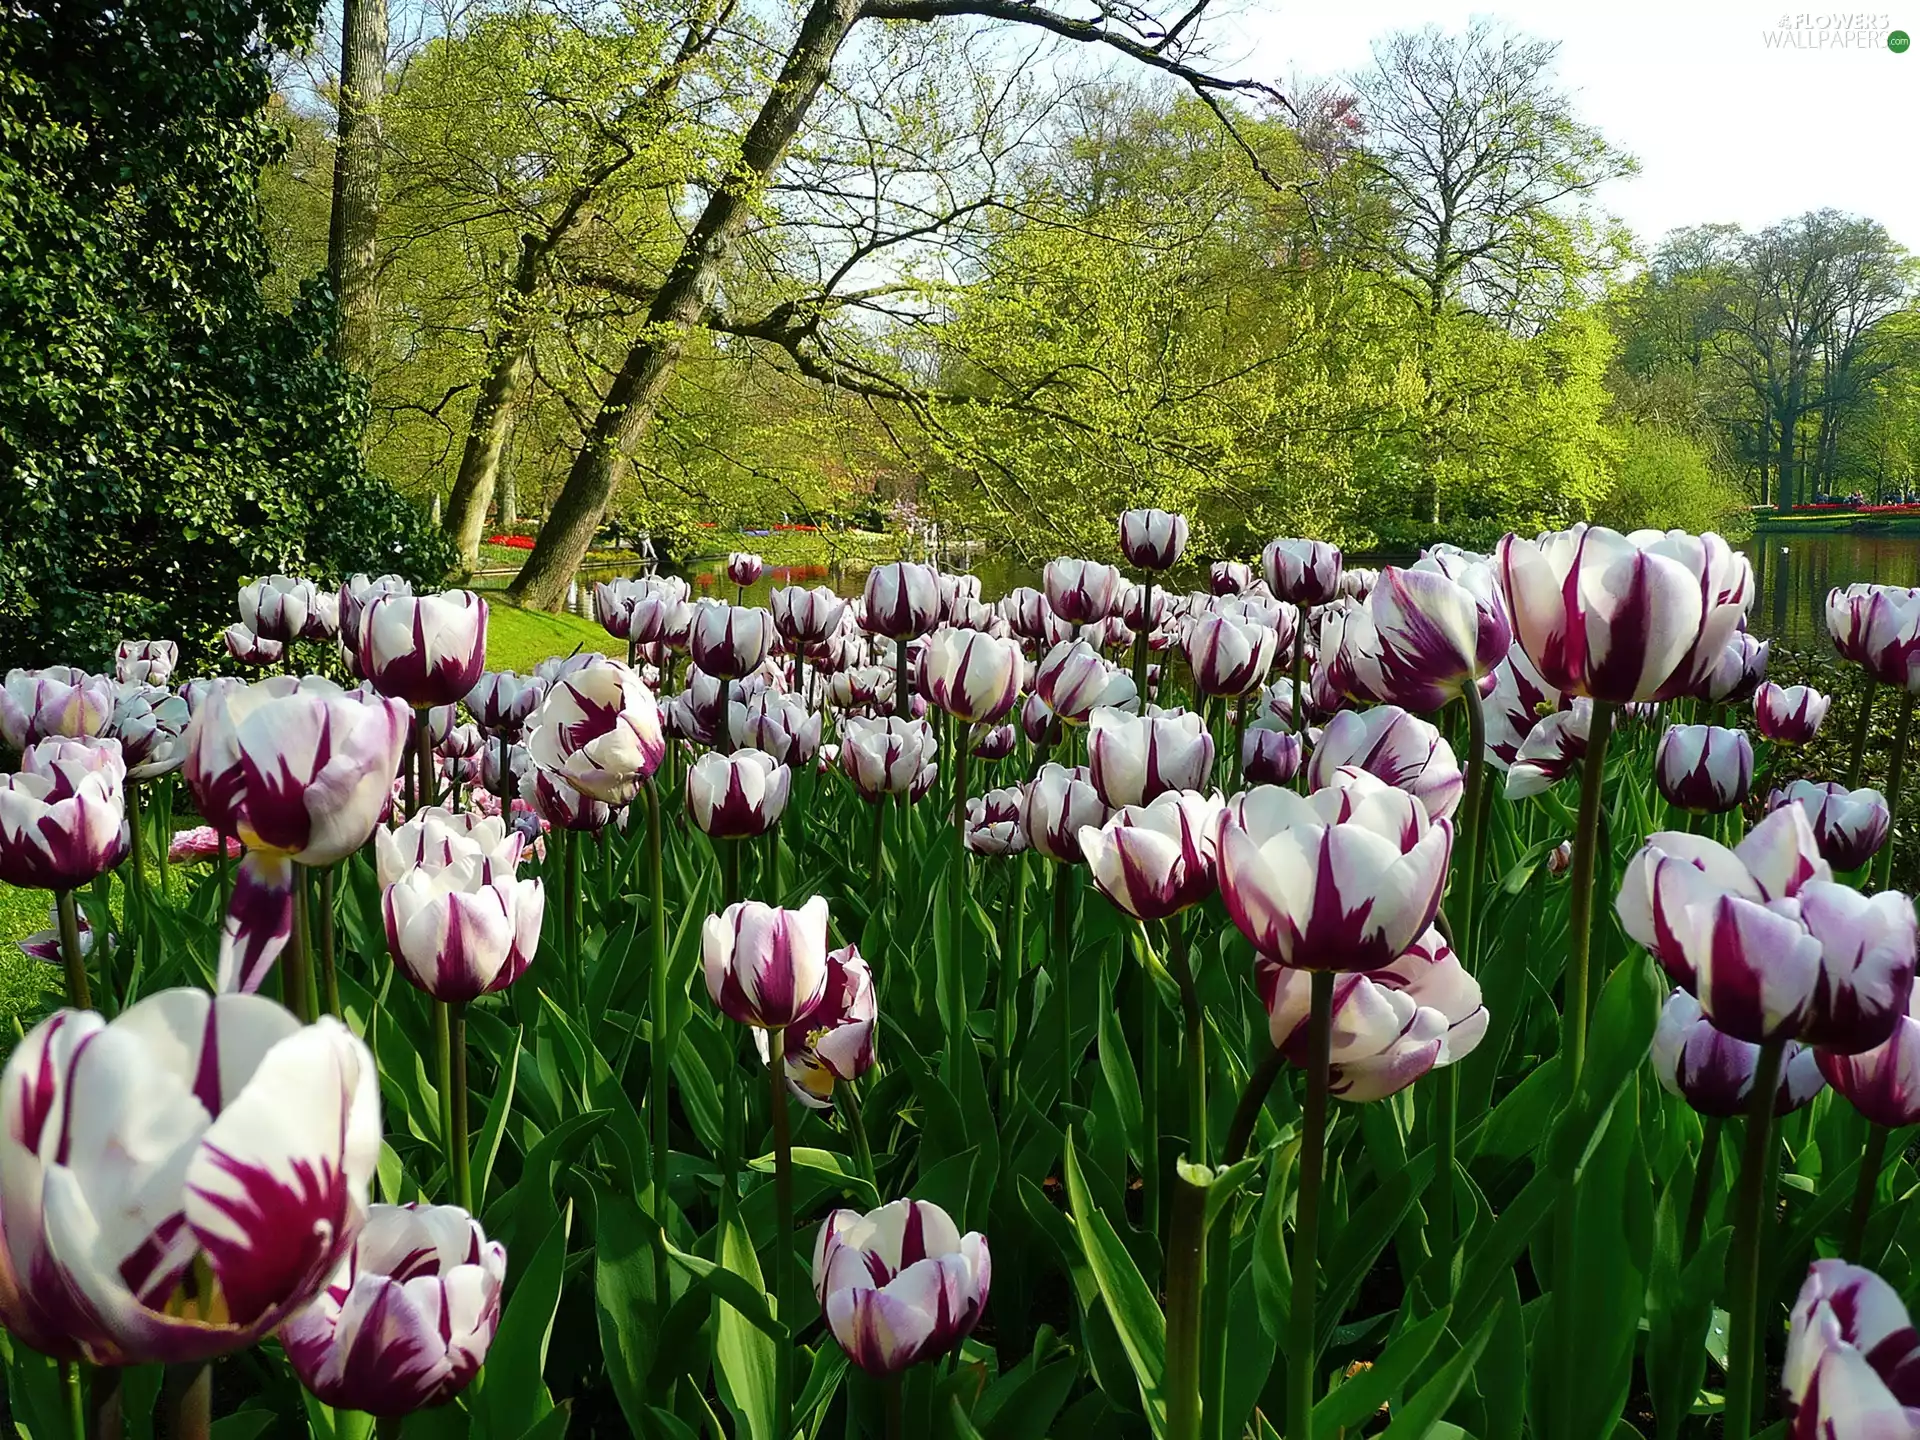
1830 524
802 547
519 639
25 985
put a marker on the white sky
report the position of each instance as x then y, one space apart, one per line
1725 127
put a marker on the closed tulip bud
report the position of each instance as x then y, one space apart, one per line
781 725
501 700
181 1179
1789 715
551 796
1074 681
1770 946
462 742
1623 617
151 726
425 650
765 966
1146 607
1553 749
744 567
1270 754
899 1285
464 928
277 607
1852 1369
1152 539
1357 582
1878 628
863 687
1401 749
1730 676
1229 577
1155 860
1706 769
250 649
1713 1072
501 774
143 662
1083 592
1135 760
357 593
1061 803
1441 626
63 816
599 730
1390 1026
885 756
806 617
1560 858
997 822
1038 722
730 640
1305 572
959 594
834 1040
407 1320
901 600
994 742
1883 1083
737 796
1345 879
1518 701
437 837
972 676
1849 826
1227 656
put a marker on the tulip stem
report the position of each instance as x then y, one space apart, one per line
1573 1017
896 1408
1705 1169
1863 1191
1150 1104
902 693
1896 773
956 977
329 976
1140 645
187 1401
1751 1204
462 1159
1013 957
849 1094
79 994
783 1230
1862 728
296 977
76 1401
1062 938
1186 1284
423 753
570 908
1306 1229
1194 1051
388 1427
443 1071
1302 620
137 836
1253 1099
661 1034
1239 740
877 862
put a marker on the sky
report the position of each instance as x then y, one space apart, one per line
1730 119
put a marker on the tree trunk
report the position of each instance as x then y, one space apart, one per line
353 226
635 394
507 370
509 500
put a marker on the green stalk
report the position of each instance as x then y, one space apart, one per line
1751 1204
1246 1115
849 1100
224 868
443 1072
783 1230
1862 727
1193 1050
1239 740
1186 1283
902 696
1863 1191
329 976
76 1401
79 994
662 1039
1442 1241
136 834
1013 957
296 978
1061 940
896 1408
956 979
388 1427
877 862
1704 1171
570 910
1150 1103
1140 647
1306 1230
187 1401
460 1150
1301 621
423 756
1896 773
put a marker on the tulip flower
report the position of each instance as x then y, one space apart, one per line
781 725
1031 617
1345 879
1270 753
997 822
1133 760
1228 656
901 600
465 927
556 800
1152 539
959 594
436 837
885 756
1516 704
1305 572
1109 634
1153 861
277 607
899 1285
1083 592
1713 1072
1074 681
357 593
863 687
1401 749
63 817
1357 582
1878 628
1351 656
1852 1368
765 966
1622 617
406 1321
1706 769
151 725
44 945
1560 858
806 617
1789 715
1551 751
1731 676
1440 627
1229 577
38 705
1883 1083
501 770
501 700
1038 722
994 742
973 676
1146 607
599 730
426 650
834 1040
1062 802
1392 1025
1772 948
1849 826
181 1179
144 662
744 567
737 796
729 641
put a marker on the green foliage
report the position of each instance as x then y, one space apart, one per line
1664 480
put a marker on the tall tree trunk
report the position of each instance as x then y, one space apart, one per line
509 499
353 226
1789 423
507 370
634 396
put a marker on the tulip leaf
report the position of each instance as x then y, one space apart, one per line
626 1301
1123 1081
1143 1329
498 1108
1423 1416
1272 1267
510 1395
823 1381
836 1167
242 1424
743 1350
1366 1233
727 1284
1357 1401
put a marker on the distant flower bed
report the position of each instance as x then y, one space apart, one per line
512 542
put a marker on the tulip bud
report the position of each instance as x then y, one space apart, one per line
599 730
997 822
464 928
1038 722
501 700
1083 592
1155 860
834 1039
63 814
1789 715
901 600
737 796
1031 617
1146 607
1134 760
1560 858
972 676
1883 1083
151 726
250 649
356 594
765 966
993 742
806 617
781 725
886 756
1878 628
744 567
1306 572
425 650
1270 754
1849 826
1704 768
1061 803
1152 539
277 607
143 662
554 799
729 640
1713 1072
959 595
1731 676
1518 700
1074 681
1227 656
1401 749
899 1285
1851 1357
1229 577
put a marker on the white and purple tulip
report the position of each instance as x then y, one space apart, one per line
997 821
1270 752
1552 750
60 702
1882 1083
737 796
436 837
887 755
1518 701
1713 1072
1061 802
1155 860
994 742
1229 577
466 927
501 701
425 650
599 730
356 593
145 662
1440 626
1705 769
277 607
1083 592
1852 1368
1849 826
744 567
781 725
834 1040
63 814
1228 655
971 675
730 641
1152 539
765 966
1791 714
1878 628
1133 759
1401 749
806 617
899 1285
556 800
901 600
1731 676
1304 572
151 725
1074 680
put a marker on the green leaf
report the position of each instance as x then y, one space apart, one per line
626 1303
1123 1082
1425 1413
498 1108
743 1351
833 1165
510 1395
1359 1399
1143 1329
731 1286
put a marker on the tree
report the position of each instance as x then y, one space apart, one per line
353 228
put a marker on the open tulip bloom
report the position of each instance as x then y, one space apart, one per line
598 729
1229 656
902 600
425 650
1155 860
781 725
737 796
150 724
1706 769
1849 826
1074 680
833 1039
1439 627
63 815
765 966
1401 749
1152 539
1852 1368
886 756
1552 750
1789 715
142 662
1713 1072
38 705
899 1285
806 617
997 822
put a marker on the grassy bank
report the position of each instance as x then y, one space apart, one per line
802 547
1841 524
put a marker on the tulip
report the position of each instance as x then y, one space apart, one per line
63 818
1518 701
1390 1026
646 610
461 742
744 567
145 662
997 822
1038 722
202 842
464 927
437 837
737 796
1552 750
1849 826
1060 804
995 742
863 687
1731 676
1345 879
1789 715
781 725
1229 577
357 593
277 607
901 600
806 617
1772 948
599 730
1713 1072
1357 582
1878 628
729 641
1074 681
425 650
502 767
555 799
959 594
1305 572
1852 1368
1622 617
1152 539
1351 654
1134 760
1706 769
406 1321
1031 617
1082 592
834 1040
885 756
1399 748
180 1180
972 676
1440 627
1109 634
151 726
700 712
764 966
1227 656
1153 861
38 705
899 1285
501 700
613 602
1270 753
1146 607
